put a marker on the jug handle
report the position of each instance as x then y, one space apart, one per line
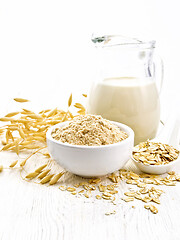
159 62
170 132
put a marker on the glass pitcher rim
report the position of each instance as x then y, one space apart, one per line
104 42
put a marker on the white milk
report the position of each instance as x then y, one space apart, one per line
131 101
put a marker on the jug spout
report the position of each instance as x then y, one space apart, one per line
116 40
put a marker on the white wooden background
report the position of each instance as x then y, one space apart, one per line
30 211
45 53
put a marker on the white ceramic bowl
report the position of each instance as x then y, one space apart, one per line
91 161
168 135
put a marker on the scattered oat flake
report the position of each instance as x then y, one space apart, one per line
144 190
83 183
153 209
82 191
146 206
178 178
138 196
134 176
128 199
106 197
129 194
98 197
86 187
62 188
141 185
71 189
102 188
110 187
87 194
156 200
113 191
110 213
134 182
73 193
146 199
106 194
96 180
113 198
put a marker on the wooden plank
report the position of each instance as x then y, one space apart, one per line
33 211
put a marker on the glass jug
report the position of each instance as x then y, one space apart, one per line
125 89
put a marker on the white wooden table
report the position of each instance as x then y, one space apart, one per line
39 61
33 211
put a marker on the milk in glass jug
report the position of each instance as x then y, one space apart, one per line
125 89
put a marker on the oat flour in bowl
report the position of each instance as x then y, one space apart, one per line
89 130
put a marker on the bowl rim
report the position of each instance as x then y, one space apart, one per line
124 127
